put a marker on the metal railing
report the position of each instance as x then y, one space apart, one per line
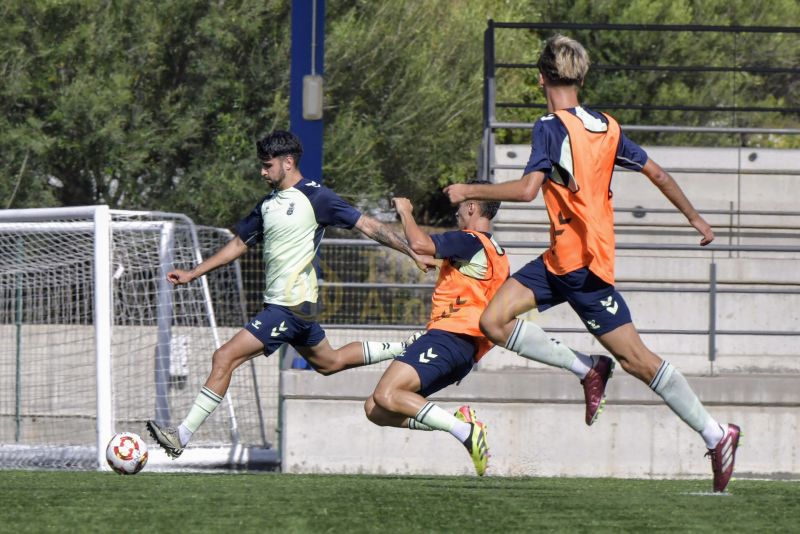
707 283
491 124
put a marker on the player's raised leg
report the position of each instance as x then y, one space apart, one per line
382 417
500 324
326 360
434 361
395 393
240 348
670 384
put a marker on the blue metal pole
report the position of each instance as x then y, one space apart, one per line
308 40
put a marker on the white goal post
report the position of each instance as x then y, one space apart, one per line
94 340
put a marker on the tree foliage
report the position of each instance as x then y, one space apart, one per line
156 105
683 49
140 105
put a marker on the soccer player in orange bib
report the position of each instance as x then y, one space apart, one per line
574 150
473 268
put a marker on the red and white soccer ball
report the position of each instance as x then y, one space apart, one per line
126 453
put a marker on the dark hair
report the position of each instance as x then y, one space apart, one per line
488 207
279 143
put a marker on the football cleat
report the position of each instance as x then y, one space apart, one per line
476 443
167 438
723 456
594 386
477 447
465 414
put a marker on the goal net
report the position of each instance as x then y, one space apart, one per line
94 340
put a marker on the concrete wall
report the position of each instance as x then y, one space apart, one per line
536 427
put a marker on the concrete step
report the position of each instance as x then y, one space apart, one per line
674 267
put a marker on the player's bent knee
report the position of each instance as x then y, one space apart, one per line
373 412
492 329
369 408
384 398
324 371
222 360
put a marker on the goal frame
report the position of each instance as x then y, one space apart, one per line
101 221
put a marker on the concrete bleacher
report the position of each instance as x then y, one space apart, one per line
535 414
714 179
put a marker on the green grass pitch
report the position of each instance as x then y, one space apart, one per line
54 501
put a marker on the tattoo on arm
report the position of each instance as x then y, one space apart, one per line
383 235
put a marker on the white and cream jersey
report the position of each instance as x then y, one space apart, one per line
290 224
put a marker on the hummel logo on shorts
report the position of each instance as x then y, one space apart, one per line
610 305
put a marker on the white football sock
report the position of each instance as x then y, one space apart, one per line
672 386
582 365
413 424
184 434
435 417
375 351
529 340
204 405
712 434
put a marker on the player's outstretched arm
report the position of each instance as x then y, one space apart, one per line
523 190
419 241
670 189
232 250
384 235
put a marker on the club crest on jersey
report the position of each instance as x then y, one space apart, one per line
291 209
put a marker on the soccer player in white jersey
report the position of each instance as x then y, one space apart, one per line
290 222
573 153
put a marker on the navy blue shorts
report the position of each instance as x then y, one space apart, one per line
276 325
440 358
600 307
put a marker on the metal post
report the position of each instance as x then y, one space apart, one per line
19 320
103 321
712 315
307 55
731 225
164 321
489 97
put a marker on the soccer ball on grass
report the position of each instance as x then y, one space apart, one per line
126 453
